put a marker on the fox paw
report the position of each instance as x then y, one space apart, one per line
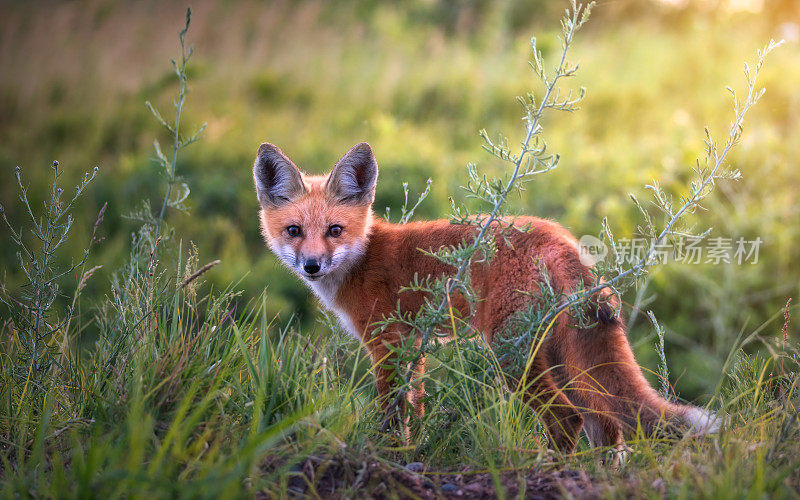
617 457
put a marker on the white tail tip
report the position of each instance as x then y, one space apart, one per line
701 421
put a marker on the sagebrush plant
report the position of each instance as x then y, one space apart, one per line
194 392
177 189
37 354
532 159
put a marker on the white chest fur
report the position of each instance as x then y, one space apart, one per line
326 289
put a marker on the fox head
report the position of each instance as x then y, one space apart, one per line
317 225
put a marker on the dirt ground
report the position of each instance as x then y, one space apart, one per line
340 477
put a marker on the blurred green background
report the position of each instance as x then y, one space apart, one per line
417 80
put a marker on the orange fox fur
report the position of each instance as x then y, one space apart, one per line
590 377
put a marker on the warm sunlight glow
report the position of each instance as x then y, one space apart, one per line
730 5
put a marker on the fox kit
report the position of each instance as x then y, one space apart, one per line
322 228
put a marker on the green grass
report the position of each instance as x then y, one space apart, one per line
235 385
207 401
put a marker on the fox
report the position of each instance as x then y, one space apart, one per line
582 379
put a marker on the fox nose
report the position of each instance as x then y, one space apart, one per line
311 266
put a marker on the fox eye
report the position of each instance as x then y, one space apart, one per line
335 230
293 231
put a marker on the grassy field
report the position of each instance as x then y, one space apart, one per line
235 383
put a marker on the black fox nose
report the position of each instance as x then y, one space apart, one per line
311 266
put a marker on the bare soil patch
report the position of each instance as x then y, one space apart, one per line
345 477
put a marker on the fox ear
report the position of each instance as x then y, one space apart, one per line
277 179
353 179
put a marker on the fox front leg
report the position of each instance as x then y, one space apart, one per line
385 350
